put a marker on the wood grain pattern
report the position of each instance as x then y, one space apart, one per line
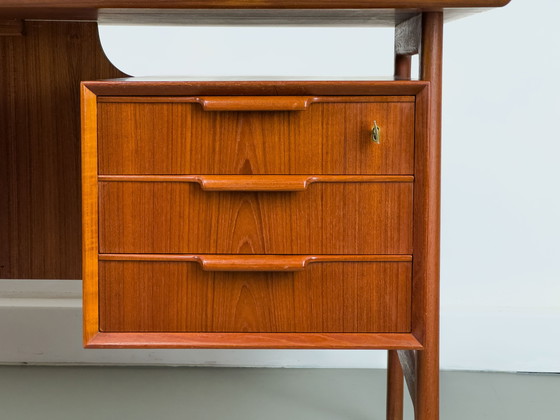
326 297
364 341
170 217
241 102
327 138
132 86
11 27
40 73
90 223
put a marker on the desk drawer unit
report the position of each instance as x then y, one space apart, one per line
260 219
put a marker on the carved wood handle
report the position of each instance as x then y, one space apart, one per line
254 183
253 263
273 263
272 183
255 103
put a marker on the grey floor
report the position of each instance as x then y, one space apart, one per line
160 393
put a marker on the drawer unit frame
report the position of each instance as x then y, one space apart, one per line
421 284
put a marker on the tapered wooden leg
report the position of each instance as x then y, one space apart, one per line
395 387
427 390
427 272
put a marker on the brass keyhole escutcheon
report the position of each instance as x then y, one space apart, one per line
375 133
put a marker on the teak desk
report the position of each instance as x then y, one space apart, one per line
230 214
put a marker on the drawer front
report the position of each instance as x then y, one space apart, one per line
324 218
326 138
148 296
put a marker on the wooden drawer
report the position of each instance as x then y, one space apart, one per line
289 215
189 135
324 296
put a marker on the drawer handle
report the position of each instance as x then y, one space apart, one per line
284 263
229 262
251 183
271 183
255 103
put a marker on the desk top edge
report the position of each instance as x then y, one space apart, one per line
131 87
89 9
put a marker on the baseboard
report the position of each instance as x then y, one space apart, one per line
40 323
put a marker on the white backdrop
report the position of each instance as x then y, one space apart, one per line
500 201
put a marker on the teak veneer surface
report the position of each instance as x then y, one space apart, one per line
40 216
325 297
326 218
330 137
251 226
110 90
173 340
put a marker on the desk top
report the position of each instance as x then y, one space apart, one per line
390 11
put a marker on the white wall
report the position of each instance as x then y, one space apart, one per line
500 202
501 186
248 51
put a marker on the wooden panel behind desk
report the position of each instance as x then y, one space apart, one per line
40 74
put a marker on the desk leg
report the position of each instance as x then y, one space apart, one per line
395 387
427 232
427 390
